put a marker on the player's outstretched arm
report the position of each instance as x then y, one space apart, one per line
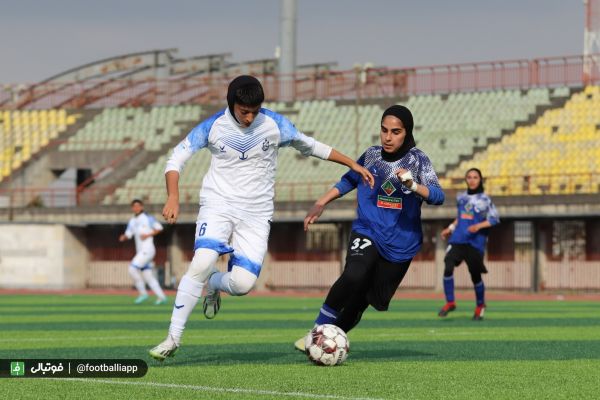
171 208
446 232
477 227
151 234
340 158
317 209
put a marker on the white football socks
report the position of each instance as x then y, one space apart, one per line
188 293
220 280
153 283
138 280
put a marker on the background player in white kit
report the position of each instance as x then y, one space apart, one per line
143 228
236 199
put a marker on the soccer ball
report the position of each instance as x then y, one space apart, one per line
327 345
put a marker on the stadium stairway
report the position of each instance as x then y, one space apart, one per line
557 154
482 118
141 160
556 102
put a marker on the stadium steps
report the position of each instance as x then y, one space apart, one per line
97 190
119 179
556 102
556 155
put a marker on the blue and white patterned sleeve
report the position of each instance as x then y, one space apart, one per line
492 214
350 179
428 178
291 136
194 141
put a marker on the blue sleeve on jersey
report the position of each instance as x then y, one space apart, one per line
287 130
198 136
350 179
428 178
492 216
436 195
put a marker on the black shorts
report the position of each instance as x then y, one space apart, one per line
381 277
458 253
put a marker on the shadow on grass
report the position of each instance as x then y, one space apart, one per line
363 351
104 323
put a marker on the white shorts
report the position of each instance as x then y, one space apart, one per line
244 236
143 260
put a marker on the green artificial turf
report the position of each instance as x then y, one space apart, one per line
524 350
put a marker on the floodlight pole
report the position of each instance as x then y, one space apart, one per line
287 58
591 42
358 69
10 172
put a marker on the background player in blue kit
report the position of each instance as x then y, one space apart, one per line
236 199
468 236
386 234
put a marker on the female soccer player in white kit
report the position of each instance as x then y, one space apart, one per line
143 228
236 199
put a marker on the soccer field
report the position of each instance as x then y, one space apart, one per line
522 350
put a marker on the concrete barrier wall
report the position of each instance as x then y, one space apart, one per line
37 256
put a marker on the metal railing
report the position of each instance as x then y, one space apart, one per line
348 84
99 194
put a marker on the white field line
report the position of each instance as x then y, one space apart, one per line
217 389
88 338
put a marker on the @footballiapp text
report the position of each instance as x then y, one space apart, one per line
72 368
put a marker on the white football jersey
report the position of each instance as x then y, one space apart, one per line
139 225
244 160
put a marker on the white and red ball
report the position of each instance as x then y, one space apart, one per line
327 345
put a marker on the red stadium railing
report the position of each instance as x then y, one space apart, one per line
349 84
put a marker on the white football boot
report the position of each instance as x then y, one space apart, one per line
300 344
165 349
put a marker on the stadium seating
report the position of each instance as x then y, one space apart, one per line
446 128
454 127
558 154
24 133
125 128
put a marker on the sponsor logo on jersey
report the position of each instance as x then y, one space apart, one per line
468 212
467 215
265 145
389 202
388 187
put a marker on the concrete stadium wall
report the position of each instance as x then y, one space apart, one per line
36 256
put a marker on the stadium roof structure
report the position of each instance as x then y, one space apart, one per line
130 79
159 77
